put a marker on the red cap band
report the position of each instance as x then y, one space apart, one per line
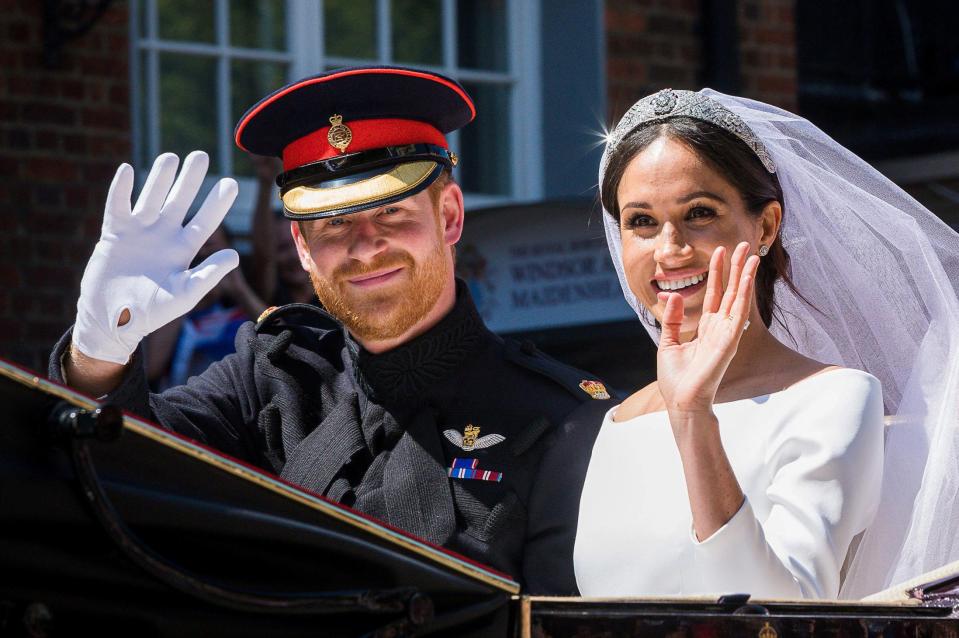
367 135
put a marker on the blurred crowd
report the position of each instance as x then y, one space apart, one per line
271 275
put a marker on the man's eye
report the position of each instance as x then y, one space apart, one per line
389 210
639 220
336 221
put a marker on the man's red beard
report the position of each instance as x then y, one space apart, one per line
391 310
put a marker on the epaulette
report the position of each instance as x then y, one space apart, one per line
315 316
577 382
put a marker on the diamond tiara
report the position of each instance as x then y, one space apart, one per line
670 103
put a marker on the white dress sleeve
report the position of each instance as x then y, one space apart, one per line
824 461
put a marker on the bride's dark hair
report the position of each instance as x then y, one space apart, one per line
738 164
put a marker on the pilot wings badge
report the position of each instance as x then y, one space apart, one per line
471 440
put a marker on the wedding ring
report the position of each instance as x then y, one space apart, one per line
745 325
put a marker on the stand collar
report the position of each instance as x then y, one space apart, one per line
412 370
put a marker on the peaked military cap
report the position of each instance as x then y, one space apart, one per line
356 138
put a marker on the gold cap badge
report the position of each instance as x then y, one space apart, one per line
339 136
768 632
594 389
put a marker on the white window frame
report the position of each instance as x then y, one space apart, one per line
305 56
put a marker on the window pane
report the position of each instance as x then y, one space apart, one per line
418 31
185 20
144 158
484 144
481 34
349 28
188 104
142 19
251 80
258 24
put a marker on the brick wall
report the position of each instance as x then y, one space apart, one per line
63 131
649 46
655 44
767 51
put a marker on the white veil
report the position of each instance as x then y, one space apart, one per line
883 273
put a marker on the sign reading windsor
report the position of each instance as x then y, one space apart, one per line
540 266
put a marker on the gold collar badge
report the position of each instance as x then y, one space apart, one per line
339 136
594 389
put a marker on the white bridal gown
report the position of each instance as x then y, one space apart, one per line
808 458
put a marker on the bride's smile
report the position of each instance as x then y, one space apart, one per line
681 282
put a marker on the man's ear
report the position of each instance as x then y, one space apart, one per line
302 249
770 221
452 213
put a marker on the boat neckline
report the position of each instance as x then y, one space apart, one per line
754 398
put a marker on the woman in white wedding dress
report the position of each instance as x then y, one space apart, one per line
751 465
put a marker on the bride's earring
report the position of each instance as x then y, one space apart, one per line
763 250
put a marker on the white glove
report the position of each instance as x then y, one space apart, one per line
141 262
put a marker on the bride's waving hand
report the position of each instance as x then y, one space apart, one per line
689 373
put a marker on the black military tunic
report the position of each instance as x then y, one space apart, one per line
447 436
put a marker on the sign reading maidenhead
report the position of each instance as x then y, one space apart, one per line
539 266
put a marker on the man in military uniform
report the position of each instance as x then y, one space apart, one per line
405 406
